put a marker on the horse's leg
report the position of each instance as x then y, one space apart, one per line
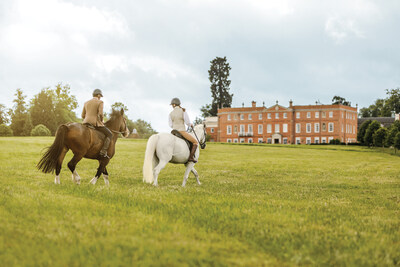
157 170
105 176
72 164
102 164
196 175
59 165
189 167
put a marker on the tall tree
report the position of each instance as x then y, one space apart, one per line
369 133
42 110
336 100
3 114
392 131
379 137
383 107
219 78
64 104
362 130
18 113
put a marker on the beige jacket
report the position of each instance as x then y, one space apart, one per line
178 118
93 112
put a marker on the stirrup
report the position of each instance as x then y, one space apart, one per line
104 155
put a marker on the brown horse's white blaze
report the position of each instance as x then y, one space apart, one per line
84 143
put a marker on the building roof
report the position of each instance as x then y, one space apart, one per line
385 121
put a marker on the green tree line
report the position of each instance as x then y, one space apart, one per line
371 133
47 110
383 107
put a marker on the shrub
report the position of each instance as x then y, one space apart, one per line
5 130
40 130
379 137
334 142
396 143
372 128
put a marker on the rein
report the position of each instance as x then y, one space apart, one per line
202 144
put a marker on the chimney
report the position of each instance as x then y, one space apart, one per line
290 103
242 104
253 104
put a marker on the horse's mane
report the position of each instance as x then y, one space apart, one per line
115 114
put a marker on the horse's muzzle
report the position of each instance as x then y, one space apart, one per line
203 145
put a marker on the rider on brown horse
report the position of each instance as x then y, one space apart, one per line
93 114
177 120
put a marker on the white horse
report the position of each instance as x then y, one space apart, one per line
165 147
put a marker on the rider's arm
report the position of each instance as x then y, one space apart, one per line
186 119
83 112
100 111
170 121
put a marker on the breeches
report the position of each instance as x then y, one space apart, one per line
188 137
105 131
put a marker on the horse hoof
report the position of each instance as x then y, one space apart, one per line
93 181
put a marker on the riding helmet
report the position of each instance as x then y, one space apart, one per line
97 92
175 101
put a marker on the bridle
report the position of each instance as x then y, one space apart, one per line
202 144
117 132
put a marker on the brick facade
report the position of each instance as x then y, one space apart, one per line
286 125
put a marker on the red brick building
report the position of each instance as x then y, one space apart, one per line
285 125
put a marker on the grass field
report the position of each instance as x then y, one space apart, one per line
257 205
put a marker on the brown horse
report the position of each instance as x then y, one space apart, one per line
84 143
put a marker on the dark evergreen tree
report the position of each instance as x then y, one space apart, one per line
379 137
18 114
372 128
336 100
219 78
362 130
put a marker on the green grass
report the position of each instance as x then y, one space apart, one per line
257 205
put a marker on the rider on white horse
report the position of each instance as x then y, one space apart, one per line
177 120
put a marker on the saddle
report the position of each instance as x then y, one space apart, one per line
178 134
90 126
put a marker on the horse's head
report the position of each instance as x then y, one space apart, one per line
117 123
200 131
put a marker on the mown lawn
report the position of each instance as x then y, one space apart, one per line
257 205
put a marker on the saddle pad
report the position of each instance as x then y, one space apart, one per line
179 135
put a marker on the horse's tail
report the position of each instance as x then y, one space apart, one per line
148 159
49 159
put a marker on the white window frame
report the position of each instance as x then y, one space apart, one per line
316 127
235 140
250 128
241 140
308 128
298 128
330 114
229 140
316 140
330 138
229 117
308 114
329 127
285 141
297 115
242 127
308 140
269 128
316 114
250 117
241 117
260 116
212 130
285 128
269 140
277 128
250 140
298 141
260 128
229 129
323 140
260 140
285 115
268 115
276 115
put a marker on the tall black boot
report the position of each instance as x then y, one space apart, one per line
191 157
103 151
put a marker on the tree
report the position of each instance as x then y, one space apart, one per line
142 127
42 109
362 130
5 130
197 121
379 137
397 142
40 130
372 128
336 100
18 114
383 107
3 114
28 125
119 106
392 102
392 131
64 104
219 78
206 111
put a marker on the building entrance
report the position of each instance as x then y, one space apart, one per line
276 141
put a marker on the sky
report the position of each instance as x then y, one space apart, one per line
144 53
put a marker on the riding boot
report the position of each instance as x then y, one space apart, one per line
191 157
103 151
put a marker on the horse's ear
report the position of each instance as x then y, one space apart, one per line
122 112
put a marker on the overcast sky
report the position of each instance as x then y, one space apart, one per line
143 53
